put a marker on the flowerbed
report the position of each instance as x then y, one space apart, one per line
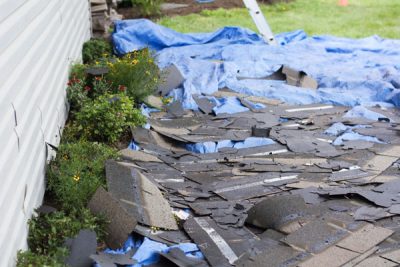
103 95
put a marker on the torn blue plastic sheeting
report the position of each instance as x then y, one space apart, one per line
336 129
145 110
349 72
148 251
352 136
133 146
362 112
212 147
232 105
346 133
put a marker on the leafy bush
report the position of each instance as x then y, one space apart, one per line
30 259
77 171
137 71
148 7
95 49
108 117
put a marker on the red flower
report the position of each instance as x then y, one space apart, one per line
69 83
87 88
122 88
97 78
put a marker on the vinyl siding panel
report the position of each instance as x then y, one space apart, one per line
39 39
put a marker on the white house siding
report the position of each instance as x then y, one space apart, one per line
39 39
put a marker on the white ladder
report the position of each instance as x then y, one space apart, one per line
260 21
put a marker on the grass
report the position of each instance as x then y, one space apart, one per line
361 18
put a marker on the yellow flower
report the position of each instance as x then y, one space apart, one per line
105 55
135 61
97 63
150 61
76 177
147 72
155 79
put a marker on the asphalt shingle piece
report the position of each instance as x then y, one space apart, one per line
221 247
376 261
315 236
138 195
331 257
178 257
278 212
252 186
121 223
112 260
392 255
365 238
271 256
81 247
370 214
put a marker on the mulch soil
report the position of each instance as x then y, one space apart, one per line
193 7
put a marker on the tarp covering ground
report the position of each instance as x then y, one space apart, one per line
349 72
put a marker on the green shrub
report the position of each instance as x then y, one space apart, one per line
76 173
95 49
148 7
108 117
30 259
138 72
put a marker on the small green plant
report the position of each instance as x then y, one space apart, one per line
95 49
31 259
108 117
148 7
138 72
166 100
77 93
76 173
78 71
100 86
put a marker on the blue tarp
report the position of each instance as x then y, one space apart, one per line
362 112
350 72
148 250
346 133
212 147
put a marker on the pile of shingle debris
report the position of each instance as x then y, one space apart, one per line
299 202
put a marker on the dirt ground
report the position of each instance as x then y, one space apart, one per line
193 7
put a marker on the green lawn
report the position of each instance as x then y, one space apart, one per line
360 19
